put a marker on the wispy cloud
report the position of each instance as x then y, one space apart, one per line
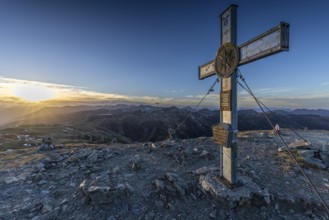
266 92
175 91
73 95
324 84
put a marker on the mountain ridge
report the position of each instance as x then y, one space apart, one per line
130 123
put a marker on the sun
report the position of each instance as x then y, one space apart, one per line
33 93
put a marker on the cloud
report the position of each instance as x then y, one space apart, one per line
313 101
175 91
73 95
324 84
266 92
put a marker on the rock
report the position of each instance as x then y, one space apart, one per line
42 182
10 180
44 192
221 193
189 150
100 195
40 166
266 196
151 146
130 187
306 153
213 214
48 216
159 204
135 166
46 145
204 153
325 158
193 196
47 207
205 170
315 162
179 184
82 186
171 176
299 144
159 185
167 144
281 149
296 145
92 158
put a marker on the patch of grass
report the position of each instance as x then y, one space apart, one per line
289 162
17 158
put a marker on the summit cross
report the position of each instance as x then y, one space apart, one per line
228 58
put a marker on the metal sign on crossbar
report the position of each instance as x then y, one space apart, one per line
228 58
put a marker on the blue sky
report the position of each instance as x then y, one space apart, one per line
153 48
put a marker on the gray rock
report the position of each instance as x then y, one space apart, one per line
100 195
213 214
44 192
281 149
135 166
48 216
83 186
306 153
205 170
193 196
92 158
11 179
40 166
315 162
325 158
204 153
180 184
188 150
299 144
151 146
159 204
47 207
42 182
159 184
220 192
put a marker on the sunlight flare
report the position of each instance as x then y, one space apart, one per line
33 93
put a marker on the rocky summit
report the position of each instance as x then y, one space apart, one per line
175 179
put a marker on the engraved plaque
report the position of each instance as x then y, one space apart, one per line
225 100
222 134
226 26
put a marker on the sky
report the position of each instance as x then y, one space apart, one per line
149 51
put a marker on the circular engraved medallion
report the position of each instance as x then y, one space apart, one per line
227 60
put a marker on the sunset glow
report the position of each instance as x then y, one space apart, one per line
33 93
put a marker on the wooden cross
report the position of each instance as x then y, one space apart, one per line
228 58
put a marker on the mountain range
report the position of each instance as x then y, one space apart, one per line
130 123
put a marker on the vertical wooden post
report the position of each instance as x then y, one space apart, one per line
228 154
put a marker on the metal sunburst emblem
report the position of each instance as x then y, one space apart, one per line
227 60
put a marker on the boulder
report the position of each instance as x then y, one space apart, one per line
325 158
101 195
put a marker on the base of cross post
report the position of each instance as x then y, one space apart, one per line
228 184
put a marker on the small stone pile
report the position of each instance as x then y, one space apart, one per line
46 144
